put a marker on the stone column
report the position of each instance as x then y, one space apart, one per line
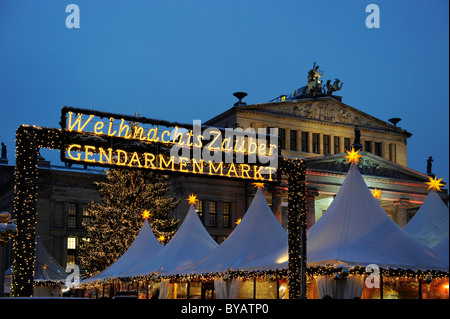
276 203
402 217
311 194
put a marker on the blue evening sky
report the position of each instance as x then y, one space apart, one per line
182 60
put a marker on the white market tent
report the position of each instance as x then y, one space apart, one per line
356 231
430 224
144 246
442 249
258 234
48 272
190 243
45 267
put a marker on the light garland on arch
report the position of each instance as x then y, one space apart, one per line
295 169
29 139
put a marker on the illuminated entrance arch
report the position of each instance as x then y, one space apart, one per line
111 140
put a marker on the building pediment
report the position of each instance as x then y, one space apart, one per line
369 164
325 109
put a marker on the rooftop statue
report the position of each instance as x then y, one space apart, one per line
333 87
315 87
314 84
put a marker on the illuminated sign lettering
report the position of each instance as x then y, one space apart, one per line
112 140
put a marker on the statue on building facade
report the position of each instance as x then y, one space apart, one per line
357 142
4 159
429 165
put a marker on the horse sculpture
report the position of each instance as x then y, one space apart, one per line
333 87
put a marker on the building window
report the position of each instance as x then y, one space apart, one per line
70 259
86 215
268 133
326 144
337 148
316 143
226 215
212 214
392 153
378 150
199 208
368 146
71 242
282 138
72 216
305 140
293 140
71 250
347 144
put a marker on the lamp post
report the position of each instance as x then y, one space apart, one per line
8 230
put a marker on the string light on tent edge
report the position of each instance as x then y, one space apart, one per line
238 221
192 199
353 156
434 184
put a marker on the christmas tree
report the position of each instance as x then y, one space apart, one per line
115 223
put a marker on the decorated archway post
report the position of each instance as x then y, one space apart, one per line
295 170
104 139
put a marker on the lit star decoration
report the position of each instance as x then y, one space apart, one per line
258 185
376 193
161 238
435 184
192 198
146 214
353 156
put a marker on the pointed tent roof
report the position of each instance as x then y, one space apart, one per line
145 245
45 267
258 234
190 243
356 231
431 223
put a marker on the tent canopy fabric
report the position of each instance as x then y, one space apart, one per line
442 249
190 243
430 224
258 234
45 267
145 245
356 231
